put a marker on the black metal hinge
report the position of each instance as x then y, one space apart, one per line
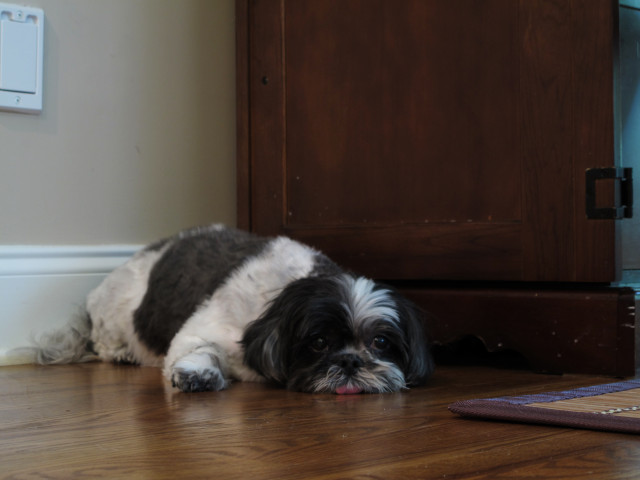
623 203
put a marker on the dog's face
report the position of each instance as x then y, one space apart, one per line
339 334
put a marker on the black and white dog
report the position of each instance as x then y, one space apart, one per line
213 304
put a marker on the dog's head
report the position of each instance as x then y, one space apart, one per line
339 334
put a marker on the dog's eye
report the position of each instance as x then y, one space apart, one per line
319 344
380 343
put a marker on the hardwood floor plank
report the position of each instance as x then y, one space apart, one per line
105 421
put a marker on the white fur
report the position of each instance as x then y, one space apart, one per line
111 306
218 323
214 227
206 363
215 328
366 303
221 320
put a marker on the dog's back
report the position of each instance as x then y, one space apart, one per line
135 313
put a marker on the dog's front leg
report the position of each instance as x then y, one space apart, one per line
202 368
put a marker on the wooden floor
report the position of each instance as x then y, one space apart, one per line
105 421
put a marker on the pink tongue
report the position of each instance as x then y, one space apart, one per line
348 390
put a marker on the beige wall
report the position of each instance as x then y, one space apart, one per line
137 135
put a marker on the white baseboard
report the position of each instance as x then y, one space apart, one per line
42 287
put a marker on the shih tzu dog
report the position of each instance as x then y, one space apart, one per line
213 304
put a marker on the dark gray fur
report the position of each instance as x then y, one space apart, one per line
314 307
195 264
323 266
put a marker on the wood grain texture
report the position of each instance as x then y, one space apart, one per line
596 136
578 330
267 140
546 118
104 421
393 116
372 117
243 166
568 59
490 250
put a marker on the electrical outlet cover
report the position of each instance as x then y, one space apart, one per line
21 58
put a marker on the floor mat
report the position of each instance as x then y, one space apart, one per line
613 407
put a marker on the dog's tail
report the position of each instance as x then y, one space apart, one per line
69 344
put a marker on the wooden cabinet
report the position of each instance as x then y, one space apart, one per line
431 141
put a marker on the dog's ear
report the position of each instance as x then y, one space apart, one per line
268 340
264 345
419 363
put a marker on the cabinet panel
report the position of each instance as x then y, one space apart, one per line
394 118
430 140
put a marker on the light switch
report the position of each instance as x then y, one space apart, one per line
18 53
21 58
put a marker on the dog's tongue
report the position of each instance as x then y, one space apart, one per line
348 390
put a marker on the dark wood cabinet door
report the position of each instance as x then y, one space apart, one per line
427 139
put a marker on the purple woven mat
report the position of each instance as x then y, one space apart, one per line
517 409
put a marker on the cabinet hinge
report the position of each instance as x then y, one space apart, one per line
623 194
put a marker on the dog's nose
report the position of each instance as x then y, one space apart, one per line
350 363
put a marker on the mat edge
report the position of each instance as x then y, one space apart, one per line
505 411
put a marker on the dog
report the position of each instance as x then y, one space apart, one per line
212 304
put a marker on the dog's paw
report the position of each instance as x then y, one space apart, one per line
198 380
124 357
201 370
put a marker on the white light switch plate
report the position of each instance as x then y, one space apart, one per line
21 58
